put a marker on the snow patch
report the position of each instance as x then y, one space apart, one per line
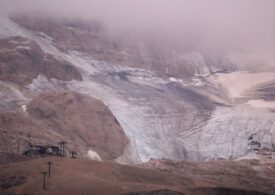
24 108
16 92
23 47
249 156
197 82
92 155
20 42
173 79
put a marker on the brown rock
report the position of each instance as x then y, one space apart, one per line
84 121
22 60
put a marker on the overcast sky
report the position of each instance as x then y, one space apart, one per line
237 24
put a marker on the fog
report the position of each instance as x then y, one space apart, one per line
228 25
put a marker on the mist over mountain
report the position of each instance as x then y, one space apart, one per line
215 25
183 86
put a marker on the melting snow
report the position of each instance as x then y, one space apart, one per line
24 108
93 155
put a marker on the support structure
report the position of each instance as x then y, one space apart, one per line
44 173
62 145
49 168
73 154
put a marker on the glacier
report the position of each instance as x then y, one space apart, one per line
163 118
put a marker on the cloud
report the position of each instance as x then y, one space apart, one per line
246 25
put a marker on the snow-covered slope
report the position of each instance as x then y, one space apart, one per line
198 119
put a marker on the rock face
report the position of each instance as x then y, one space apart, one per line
22 60
86 122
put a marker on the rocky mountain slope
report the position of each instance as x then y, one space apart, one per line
22 60
84 121
86 124
146 51
181 105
